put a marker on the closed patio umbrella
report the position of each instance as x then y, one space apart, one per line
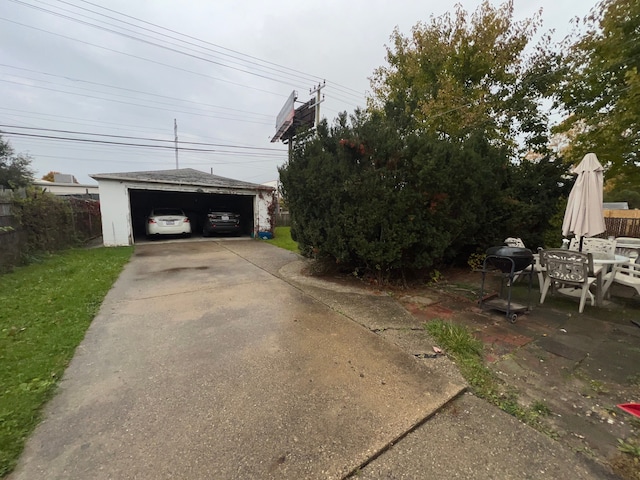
584 216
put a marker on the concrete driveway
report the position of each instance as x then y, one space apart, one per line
205 361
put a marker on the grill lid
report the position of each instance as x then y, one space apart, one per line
500 257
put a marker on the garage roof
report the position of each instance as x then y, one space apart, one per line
181 176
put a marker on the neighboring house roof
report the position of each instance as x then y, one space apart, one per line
180 176
615 205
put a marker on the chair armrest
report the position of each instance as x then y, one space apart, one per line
629 268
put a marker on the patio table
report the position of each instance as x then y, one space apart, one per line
605 264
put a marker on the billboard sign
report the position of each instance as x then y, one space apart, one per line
284 120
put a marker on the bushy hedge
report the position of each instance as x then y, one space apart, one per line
371 198
51 223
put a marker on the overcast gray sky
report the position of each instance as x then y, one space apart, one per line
63 68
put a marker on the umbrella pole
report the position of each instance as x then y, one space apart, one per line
581 240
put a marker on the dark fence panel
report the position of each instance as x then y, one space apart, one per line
283 219
32 222
11 235
86 218
622 223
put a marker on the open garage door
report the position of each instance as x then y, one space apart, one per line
195 205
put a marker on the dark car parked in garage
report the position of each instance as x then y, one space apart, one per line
221 222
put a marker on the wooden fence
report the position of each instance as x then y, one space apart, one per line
76 224
622 223
283 219
11 235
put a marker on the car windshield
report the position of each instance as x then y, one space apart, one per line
167 211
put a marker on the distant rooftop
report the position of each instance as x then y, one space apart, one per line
615 206
180 176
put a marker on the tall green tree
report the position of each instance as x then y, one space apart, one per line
425 175
368 198
458 73
15 169
600 90
536 190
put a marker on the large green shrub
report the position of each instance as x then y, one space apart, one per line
366 196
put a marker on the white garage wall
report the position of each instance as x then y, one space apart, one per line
116 215
262 222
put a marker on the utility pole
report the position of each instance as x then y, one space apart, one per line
316 90
175 133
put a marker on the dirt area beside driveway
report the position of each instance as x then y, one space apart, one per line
574 367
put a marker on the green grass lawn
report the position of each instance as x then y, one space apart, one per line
282 238
45 310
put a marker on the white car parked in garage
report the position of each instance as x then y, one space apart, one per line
168 221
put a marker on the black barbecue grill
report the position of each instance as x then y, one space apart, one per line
509 263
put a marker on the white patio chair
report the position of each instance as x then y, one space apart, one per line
535 266
599 247
629 247
627 274
567 267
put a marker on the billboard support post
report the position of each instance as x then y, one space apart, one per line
318 101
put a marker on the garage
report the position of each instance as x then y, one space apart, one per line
127 198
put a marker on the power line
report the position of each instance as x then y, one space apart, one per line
281 69
73 79
82 121
107 142
165 47
75 132
137 104
279 94
85 122
313 78
264 65
188 162
264 115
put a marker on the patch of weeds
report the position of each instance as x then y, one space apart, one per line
435 277
587 452
456 339
629 446
476 260
466 351
592 386
548 431
597 386
541 408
